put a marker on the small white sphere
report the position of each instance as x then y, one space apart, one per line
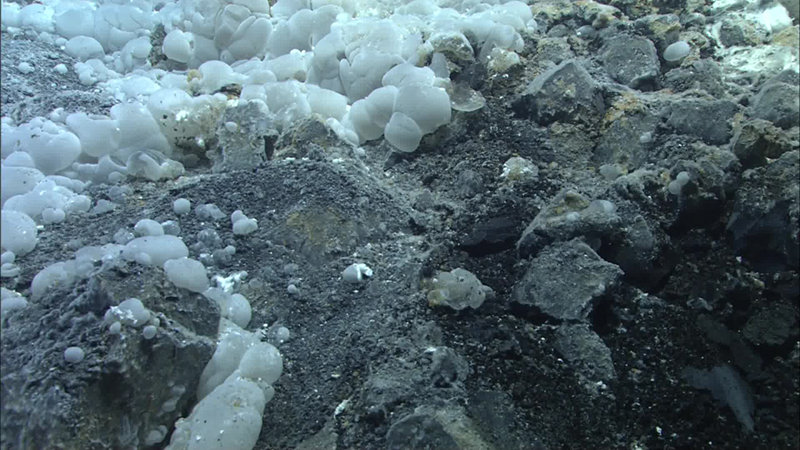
73 355
181 206
149 332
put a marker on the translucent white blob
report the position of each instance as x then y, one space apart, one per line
187 273
84 48
130 312
18 232
178 46
181 206
155 249
18 180
148 227
73 355
403 132
677 51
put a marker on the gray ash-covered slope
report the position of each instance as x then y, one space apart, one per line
644 265
26 95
